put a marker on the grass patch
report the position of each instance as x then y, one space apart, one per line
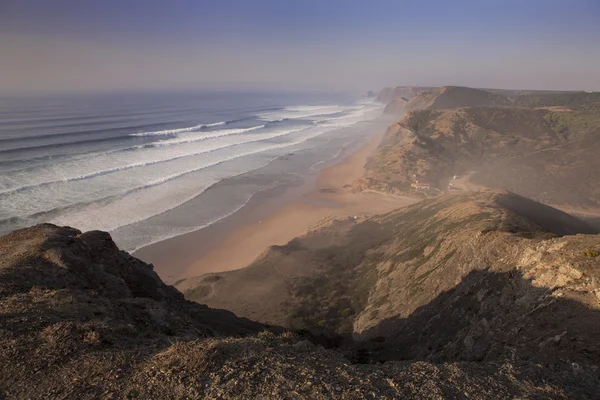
197 293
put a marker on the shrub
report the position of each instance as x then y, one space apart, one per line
591 253
266 336
91 337
290 337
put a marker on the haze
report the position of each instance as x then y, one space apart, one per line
328 45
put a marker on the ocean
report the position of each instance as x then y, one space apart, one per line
150 166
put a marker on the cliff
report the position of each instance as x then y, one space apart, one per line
396 106
476 294
455 97
449 97
349 276
545 154
389 94
556 99
483 278
81 319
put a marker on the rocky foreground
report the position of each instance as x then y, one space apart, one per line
81 319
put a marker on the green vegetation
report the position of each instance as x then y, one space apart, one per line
266 336
333 297
590 253
568 99
543 153
581 121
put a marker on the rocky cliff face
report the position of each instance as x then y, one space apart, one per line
81 319
78 314
396 106
403 99
451 97
479 276
545 154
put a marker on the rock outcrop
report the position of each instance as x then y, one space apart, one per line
78 314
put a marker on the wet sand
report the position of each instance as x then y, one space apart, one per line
272 217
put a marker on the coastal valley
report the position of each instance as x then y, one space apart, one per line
484 284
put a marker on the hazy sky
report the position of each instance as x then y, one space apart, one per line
312 44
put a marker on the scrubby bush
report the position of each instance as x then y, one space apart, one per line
290 337
591 253
266 336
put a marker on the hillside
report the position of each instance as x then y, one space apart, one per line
396 106
471 277
81 319
403 99
389 94
476 293
566 99
77 313
455 97
545 154
450 97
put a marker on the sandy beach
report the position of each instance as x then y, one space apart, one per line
272 218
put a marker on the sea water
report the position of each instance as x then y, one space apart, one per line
149 166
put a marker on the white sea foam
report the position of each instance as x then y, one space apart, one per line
156 197
300 112
145 202
348 117
311 108
182 146
101 165
215 124
179 232
119 187
179 130
206 135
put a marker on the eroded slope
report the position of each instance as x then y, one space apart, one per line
476 276
81 319
546 154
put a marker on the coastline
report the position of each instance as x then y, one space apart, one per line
272 217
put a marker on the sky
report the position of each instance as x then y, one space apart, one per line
348 45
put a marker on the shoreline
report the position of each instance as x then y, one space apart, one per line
272 217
